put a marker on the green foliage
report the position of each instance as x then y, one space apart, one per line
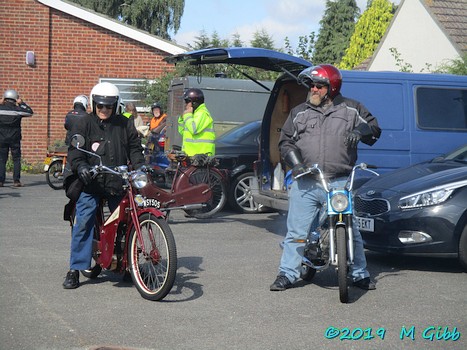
305 47
456 66
369 30
26 167
158 17
262 39
336 28
403 66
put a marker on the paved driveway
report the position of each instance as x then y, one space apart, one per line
221 299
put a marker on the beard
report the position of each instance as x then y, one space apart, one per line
316 99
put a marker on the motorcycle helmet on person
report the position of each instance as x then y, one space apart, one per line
325 74
81 100
105 94
195 96
11 94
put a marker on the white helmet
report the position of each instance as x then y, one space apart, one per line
81 99
106 94
11 95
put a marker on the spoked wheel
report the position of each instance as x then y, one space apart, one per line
218 188
341 237
54 175
152 262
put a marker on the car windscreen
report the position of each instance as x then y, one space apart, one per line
245 134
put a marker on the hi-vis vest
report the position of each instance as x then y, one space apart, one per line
197 132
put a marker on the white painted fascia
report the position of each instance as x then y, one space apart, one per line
114 26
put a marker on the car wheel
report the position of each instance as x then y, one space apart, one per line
463 249
240 197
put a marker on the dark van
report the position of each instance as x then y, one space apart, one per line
421 115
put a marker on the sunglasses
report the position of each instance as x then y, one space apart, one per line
100 106
318 86
188 100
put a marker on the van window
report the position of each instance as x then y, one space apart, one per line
441 108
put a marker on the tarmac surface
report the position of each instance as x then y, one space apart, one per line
221 297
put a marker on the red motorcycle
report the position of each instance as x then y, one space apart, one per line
195 186
135 238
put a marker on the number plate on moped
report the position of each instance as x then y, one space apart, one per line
365 224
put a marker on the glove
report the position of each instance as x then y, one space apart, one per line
84 174
298 169
352 139
294 160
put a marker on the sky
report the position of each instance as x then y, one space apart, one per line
279 18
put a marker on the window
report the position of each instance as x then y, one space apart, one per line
441 108
128 91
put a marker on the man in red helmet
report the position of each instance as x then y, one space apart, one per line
324 130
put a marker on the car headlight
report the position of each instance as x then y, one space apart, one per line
139 179
339 202
432 196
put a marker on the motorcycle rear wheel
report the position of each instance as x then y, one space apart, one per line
341 238
153 270
54 175
219 192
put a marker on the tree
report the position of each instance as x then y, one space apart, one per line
262 39
305 47
158 17
336 28
369 30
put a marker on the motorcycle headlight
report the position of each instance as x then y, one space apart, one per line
432 196
339 202
139 179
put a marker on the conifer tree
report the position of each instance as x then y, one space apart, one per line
336 28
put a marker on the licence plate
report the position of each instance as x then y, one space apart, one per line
365 224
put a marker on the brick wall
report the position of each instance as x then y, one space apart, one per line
71 56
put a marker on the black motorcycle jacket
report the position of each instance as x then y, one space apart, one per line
70 119
319 134
115 140
10 120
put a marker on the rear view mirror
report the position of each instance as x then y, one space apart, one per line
77 140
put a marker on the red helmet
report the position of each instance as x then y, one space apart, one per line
324 74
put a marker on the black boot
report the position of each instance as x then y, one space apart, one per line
71 280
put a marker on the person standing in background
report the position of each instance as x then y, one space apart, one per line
80 106
12 110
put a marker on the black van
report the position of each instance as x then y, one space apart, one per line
421 115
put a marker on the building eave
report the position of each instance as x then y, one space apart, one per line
114 26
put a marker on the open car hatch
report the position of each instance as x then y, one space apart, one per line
246 56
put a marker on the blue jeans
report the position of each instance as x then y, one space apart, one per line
83 229
306 196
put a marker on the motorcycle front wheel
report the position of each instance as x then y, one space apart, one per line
54 175
152 262
341 238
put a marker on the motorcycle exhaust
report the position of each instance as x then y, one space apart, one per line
186 207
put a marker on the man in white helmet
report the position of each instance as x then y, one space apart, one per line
12 111
80 106
115 139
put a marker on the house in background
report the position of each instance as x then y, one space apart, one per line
424 32
54 50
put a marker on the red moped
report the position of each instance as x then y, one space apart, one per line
135 238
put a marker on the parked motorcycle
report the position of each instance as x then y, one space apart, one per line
135 238
194 184
54 165
332 243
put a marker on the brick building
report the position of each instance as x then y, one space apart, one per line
53 50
